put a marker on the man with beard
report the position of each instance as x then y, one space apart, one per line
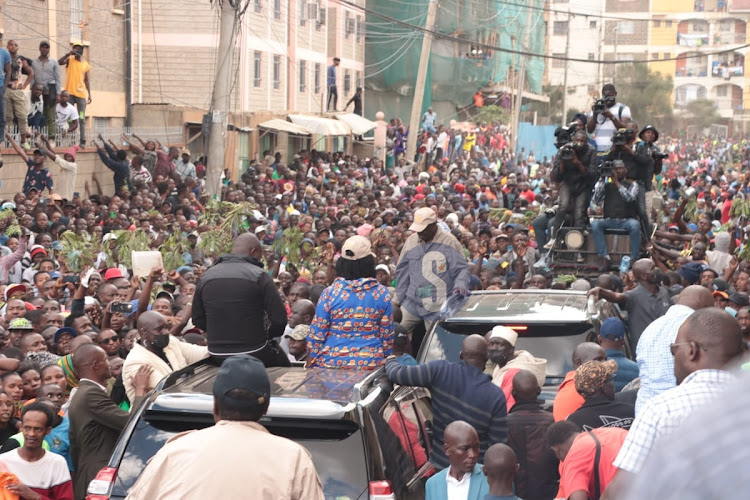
644 303
501 350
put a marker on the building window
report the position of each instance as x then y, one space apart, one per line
592 56
257 61
359 29
77 20
302 12
560 28
347 82
657 23
277 9
359 79
667 24
721 91
558 63
317 78
667 55
592 25
276 72
302 76
256 4
625 27
347 21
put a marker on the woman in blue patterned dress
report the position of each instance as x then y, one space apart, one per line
353 324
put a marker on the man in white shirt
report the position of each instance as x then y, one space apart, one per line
66 116
463 479
604 123
41 474
66 180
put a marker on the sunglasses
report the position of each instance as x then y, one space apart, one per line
673 347
109 340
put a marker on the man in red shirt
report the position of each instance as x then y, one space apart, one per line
582 476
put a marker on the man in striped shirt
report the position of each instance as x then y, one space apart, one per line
460 391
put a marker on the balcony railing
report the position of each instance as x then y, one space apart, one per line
729 38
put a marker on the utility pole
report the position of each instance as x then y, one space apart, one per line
221 95
565 75
424 60
521 81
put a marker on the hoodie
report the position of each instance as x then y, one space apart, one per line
719 258
523 360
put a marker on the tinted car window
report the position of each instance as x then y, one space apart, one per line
554 342
336 450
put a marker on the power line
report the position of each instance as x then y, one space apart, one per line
477 44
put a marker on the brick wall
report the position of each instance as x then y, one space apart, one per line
638 37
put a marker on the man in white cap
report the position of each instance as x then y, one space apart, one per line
501 349
432 266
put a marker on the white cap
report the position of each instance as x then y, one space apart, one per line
383 267
505 333
423 218
260 229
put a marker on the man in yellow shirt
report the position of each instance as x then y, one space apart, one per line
77 84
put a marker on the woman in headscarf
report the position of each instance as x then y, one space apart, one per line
353 324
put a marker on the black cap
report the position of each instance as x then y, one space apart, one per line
652 129
44 43
739 298
246 373
720 285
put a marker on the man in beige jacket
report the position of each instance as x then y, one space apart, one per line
159 350
237 457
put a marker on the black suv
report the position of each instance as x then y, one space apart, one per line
367 440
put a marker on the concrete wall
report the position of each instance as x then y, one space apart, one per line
14 171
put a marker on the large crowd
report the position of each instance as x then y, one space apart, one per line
348 261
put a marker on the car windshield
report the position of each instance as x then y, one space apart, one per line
336 449
552 341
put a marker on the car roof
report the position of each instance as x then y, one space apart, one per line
295 392
526 306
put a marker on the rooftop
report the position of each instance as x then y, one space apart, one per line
527 306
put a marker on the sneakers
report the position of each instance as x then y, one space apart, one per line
605 264
549 244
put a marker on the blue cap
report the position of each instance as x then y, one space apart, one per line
691 272
612 329
62 331
246 373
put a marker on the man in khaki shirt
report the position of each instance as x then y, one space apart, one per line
246 461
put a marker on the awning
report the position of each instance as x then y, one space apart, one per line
284 126
321 126
358 124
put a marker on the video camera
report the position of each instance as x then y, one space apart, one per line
601 105
605 170
621 137
656 153
563 135
567 152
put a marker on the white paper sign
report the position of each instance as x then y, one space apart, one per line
144 262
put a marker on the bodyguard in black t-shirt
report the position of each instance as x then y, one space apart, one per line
594 382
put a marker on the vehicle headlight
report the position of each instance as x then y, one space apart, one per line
574 239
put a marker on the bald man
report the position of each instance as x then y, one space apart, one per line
462 449
707 342
567 399
655 362
231 303
500 467
95 420
644 303
538 474
459 391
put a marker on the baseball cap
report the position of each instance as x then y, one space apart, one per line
591 376
15 288
20 324
260 229
691 271
613 329
423 218
383 267
37 251
112 273
8 204
245 373
505 333
44 43
64 330
355 248
720 293
299 332
720 285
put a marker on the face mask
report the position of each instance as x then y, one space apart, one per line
161 341
497 357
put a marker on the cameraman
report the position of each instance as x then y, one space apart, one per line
574 169
606 118
649 135
620 211
639 167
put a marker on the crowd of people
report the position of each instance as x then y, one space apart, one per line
347 262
